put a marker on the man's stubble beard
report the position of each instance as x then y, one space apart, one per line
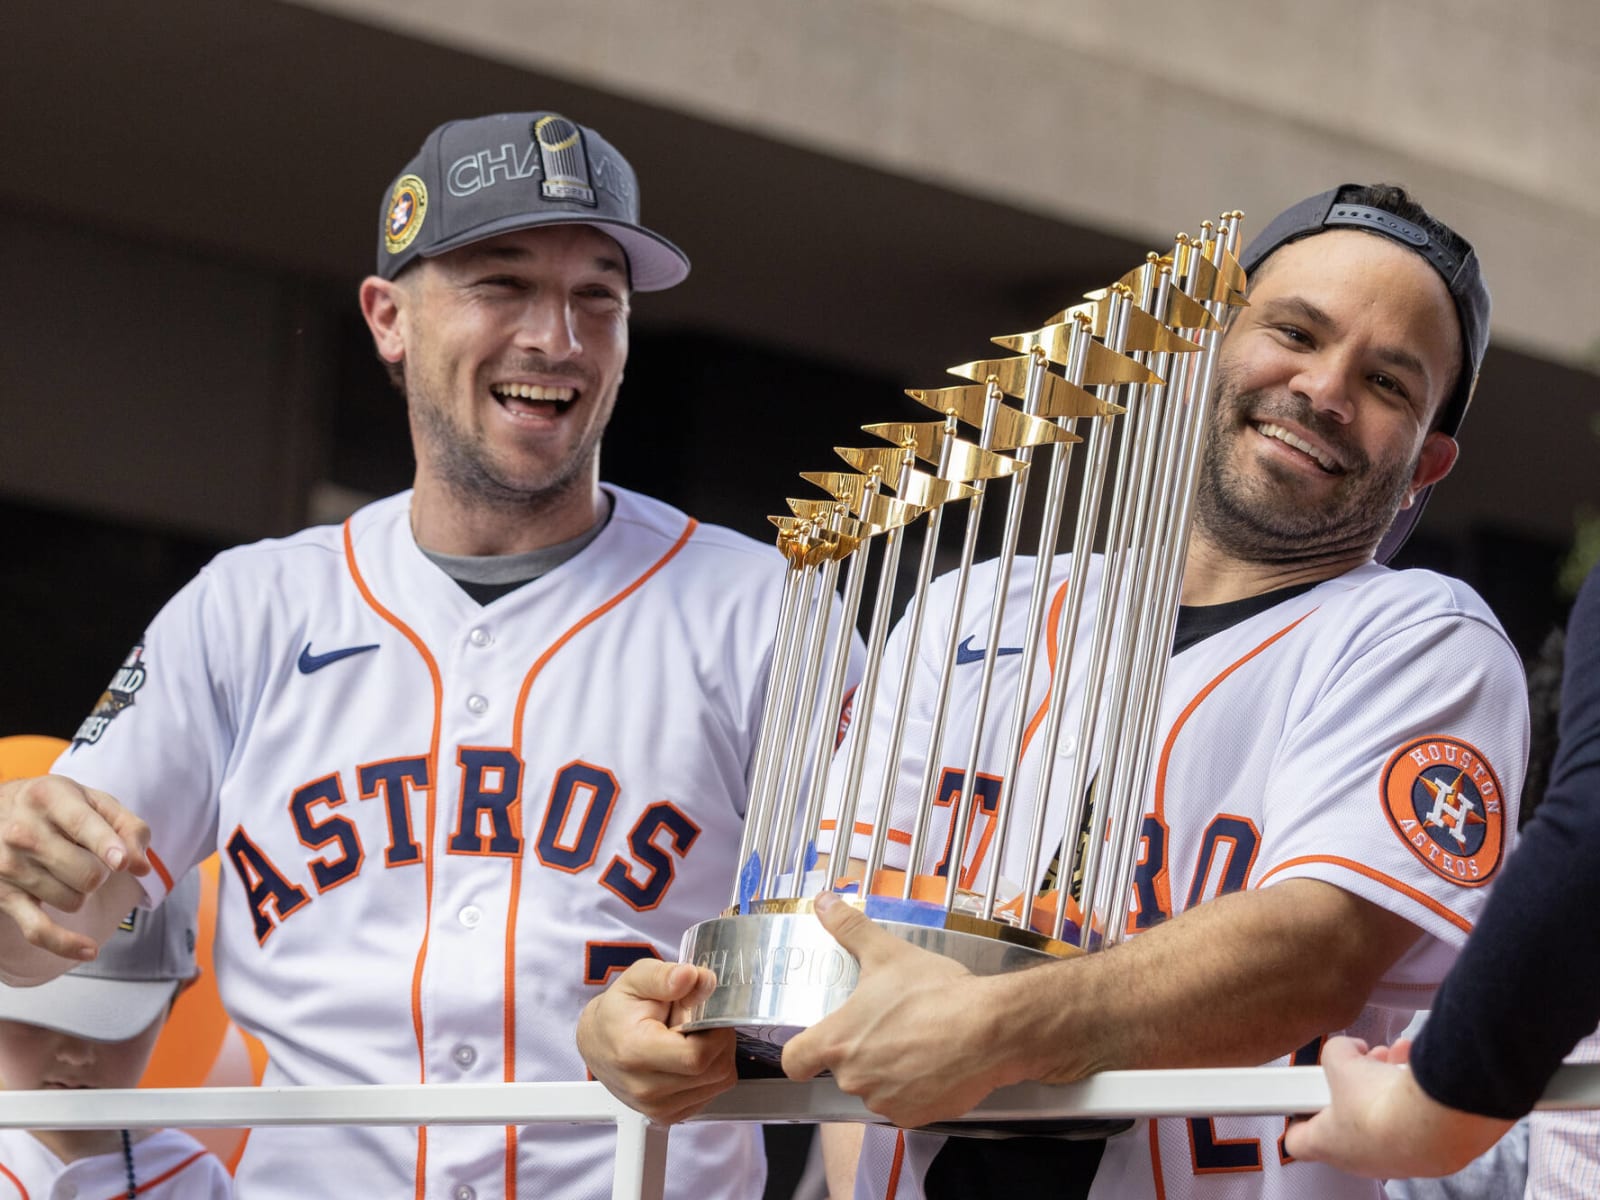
1254 521
461 461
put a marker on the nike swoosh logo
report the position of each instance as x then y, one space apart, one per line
310 662
966 654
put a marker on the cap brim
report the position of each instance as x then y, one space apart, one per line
654 264
102 1010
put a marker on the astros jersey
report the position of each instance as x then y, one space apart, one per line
1370 732
445 826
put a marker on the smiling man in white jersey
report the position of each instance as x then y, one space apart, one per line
465 757
1295 878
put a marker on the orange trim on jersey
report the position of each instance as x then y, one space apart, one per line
1052 652
1405 889
22 1191
1189 710
864 829
509 1018
427 853
894 1167
160 868
1162 883
162 1178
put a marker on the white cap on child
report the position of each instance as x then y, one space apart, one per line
129 985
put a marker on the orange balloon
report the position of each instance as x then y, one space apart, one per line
24 755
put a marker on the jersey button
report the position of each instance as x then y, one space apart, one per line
464 1055
463 1191
480 637
477 704
470 916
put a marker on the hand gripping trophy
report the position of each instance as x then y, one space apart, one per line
984 796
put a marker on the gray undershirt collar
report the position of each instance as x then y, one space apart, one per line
512 570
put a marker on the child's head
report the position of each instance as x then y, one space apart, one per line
96 1025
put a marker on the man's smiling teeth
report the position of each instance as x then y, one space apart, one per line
1300 444
533 391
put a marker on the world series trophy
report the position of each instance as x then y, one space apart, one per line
1124 379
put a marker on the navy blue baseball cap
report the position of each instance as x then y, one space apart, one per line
1456 263
477 178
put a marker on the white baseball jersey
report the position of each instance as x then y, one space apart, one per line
167 1165
1370 732
444 826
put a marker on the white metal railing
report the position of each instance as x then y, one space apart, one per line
641 1145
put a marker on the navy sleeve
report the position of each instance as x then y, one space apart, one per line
1526 988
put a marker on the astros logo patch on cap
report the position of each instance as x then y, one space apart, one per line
1444 800
408 205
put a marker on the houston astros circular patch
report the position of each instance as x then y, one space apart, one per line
408 205
1444 800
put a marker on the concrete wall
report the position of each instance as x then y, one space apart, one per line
1131 117
186 225
148 382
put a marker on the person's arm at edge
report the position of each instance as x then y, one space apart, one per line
1236 981
1466 1091
1539 929
1381 1124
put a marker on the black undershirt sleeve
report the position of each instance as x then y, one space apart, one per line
1526 988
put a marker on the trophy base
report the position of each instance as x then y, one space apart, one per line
779 971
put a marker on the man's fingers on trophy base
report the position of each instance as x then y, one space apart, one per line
853 929
806 1055
652 979
709 1051
702 982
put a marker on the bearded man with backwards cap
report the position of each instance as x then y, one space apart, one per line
466 756
1341 748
